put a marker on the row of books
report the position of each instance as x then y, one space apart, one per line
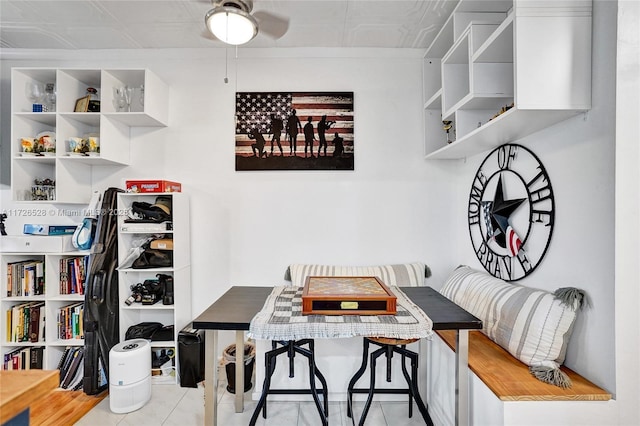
25 278
24 359
73 274
71 368
25 322
70 324
71 363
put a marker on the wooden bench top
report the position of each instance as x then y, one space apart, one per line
510 380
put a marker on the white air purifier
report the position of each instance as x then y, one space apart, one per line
129 375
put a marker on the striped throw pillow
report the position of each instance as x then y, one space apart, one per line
403 275
533 325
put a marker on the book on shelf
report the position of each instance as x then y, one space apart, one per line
25 322
65 362
70 367
24 358
9 315
34 321
63 358
73 274
41 328
25 278
70 321
37 353
14 361
39 278
17 322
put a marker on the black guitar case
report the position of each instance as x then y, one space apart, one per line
100 318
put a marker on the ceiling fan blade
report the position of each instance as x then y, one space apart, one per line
207 34
271 25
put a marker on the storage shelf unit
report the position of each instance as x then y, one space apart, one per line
178 314
490 55
52 299
71 172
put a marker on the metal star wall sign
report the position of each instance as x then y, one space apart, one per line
493 217
501 211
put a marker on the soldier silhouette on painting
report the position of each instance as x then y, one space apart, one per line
258 147
323 126
293 125
338 145
309 138
276 131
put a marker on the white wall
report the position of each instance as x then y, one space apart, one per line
627 300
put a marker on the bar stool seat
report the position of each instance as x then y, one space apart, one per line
387 346
291 347
392 341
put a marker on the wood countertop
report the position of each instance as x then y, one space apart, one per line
20 388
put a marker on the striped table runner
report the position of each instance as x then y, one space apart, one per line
281 319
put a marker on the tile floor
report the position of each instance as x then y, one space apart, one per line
173 405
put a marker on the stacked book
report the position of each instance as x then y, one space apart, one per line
73 274
70 324
24 359
25 278
71 368
25 322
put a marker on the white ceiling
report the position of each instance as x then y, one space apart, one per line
133 24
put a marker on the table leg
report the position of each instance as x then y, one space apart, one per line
239 400
211 378
462 378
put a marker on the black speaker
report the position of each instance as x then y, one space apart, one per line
167 280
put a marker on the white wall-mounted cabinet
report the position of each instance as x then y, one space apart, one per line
71 171
53 299
530 59
177 314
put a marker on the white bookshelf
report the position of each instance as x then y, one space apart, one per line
71 171
178 314
52 299
492 54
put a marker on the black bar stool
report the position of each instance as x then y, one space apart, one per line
388 347
292 347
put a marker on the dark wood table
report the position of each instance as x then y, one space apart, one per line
235 309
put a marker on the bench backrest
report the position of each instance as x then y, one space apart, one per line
401 275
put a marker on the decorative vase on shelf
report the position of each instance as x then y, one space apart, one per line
119 99
34 91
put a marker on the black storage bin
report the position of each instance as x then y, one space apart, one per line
191 357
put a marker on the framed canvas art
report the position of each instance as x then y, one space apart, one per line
294 131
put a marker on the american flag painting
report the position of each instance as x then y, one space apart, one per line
294 131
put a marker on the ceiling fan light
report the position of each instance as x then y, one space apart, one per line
231 25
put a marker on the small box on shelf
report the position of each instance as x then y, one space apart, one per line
153 185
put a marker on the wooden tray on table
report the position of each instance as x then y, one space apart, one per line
347 296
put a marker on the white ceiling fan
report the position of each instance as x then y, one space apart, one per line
232 22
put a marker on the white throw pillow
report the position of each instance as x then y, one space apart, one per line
533 325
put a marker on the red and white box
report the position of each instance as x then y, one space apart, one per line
153 185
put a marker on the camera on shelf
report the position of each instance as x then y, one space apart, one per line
152 291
